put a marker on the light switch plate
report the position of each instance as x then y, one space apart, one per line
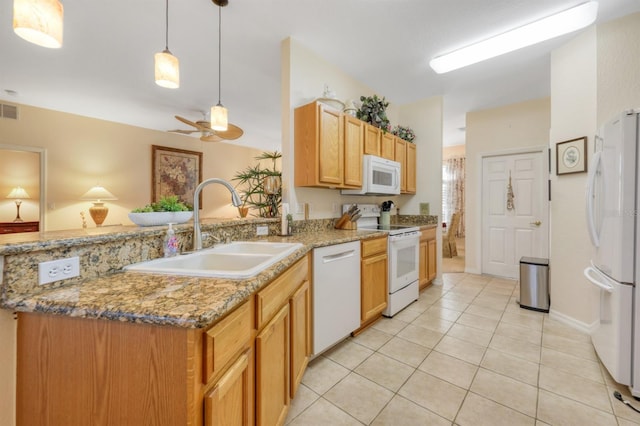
262 230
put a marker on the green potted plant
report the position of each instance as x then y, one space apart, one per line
166 210
260 187
404 132
373 110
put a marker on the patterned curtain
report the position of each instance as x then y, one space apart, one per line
453 191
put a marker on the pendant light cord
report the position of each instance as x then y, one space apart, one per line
219 53
166 33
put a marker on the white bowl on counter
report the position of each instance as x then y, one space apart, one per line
159 218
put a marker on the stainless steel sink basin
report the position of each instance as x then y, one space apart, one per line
241 259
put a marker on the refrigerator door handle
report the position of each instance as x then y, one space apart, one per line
591 226
589 272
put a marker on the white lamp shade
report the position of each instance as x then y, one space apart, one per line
167 70
18 193
39 21
219 118
98 193
547 28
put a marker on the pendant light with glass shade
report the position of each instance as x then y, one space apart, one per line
219 120
39 21
167 67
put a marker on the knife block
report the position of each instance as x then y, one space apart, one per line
345 223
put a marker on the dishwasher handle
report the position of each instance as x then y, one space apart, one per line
338 256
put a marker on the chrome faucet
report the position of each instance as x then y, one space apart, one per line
235 200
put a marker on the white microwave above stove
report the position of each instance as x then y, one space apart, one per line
379 177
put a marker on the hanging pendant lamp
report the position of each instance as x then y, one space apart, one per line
167 67
39 22
219 116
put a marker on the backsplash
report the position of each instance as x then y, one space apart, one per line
105 251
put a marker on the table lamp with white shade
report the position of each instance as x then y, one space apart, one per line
98 195
18 194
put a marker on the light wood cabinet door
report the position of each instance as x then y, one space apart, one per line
225 340
371 139
353 146
431 259
401 157
387 146
411 168
300 307
229 402
319 146
428 252
373 294
330 147
423 267
272 370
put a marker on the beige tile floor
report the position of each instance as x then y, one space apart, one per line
464 354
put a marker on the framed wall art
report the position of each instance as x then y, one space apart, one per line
571 156
175 172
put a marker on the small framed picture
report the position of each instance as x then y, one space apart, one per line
175 172
571 156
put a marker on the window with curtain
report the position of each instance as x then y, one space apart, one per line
453 191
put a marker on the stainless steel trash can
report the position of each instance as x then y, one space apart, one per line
534 284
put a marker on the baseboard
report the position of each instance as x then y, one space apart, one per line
572 322
472 271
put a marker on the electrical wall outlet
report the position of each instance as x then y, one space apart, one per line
56 270
262 230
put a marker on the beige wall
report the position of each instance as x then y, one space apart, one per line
82 152
304 75
19 168
521 125
618 66
608 59
573 115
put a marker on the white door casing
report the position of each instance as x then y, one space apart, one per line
508 235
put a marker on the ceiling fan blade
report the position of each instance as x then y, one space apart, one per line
183 132
200 125
232 132
211 138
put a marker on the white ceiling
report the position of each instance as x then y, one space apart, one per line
105 67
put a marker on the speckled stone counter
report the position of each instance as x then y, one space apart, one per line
135 297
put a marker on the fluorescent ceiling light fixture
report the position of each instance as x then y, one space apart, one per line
547 28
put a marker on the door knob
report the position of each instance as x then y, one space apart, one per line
536 223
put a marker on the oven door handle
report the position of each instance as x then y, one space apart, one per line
405 236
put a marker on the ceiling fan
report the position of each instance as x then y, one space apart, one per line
207 134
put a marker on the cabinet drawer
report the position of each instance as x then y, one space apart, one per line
428 233
225 340
371 247
270 299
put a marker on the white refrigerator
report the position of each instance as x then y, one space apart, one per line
613 194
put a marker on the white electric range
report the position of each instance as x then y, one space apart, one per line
403 253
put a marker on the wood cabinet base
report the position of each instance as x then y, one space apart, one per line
76 371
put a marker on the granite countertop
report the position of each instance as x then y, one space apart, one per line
183 301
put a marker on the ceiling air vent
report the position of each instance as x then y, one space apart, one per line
9 111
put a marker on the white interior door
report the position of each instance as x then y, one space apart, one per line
509 234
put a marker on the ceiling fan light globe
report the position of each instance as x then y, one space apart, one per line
219 121
39 22
167 70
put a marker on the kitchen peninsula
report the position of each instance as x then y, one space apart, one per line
175 349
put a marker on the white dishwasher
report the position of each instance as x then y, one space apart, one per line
336 294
